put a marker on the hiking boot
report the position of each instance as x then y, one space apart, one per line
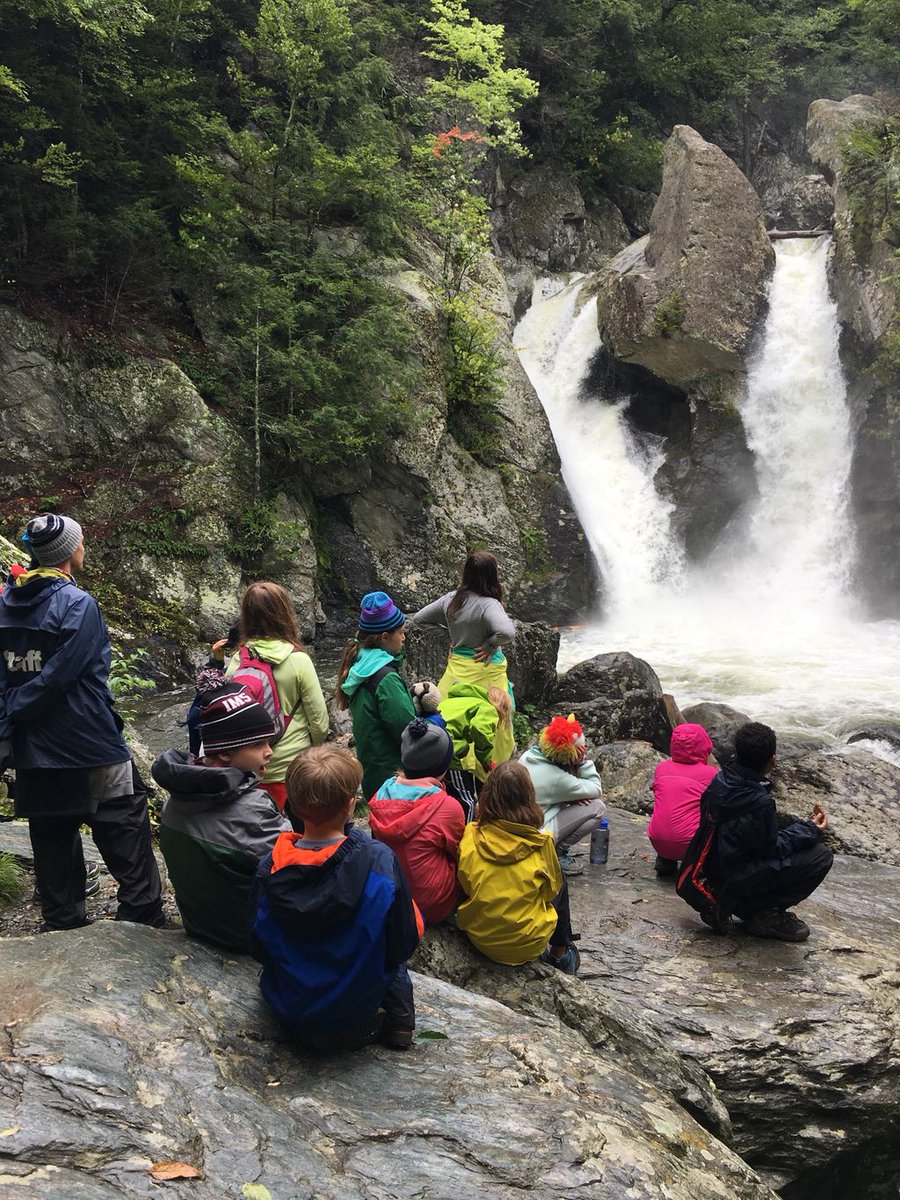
45 928
568 963
776 923
569 865
665 866
396 1039
718 921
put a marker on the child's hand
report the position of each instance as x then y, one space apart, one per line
217 649
483 654
819 817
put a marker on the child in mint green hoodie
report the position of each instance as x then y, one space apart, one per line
369 684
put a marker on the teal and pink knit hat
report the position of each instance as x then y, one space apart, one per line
379 614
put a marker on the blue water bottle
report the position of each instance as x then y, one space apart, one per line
600 842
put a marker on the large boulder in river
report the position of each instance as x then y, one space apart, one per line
683 301
626 772
615 696
721 722
126 1046
860 793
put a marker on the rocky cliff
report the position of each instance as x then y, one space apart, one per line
114 433
863 273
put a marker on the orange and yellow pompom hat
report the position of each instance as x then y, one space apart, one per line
562 741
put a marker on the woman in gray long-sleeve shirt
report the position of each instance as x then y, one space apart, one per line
476 623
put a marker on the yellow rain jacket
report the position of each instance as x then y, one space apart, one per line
510 874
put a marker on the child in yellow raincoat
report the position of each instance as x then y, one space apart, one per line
516 896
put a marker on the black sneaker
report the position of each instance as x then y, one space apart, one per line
718 921
665 866
396 1039
778 924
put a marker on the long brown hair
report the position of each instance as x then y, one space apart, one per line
508 795
479 578
362 641
267 611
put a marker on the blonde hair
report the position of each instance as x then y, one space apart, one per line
321 781
502 701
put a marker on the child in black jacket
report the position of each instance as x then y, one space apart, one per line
758 870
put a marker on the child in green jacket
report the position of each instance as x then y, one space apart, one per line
369 684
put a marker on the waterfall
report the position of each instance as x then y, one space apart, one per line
801 539
768 624
607 468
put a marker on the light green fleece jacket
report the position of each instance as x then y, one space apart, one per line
296 679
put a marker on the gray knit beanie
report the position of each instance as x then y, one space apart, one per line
425 750
52 539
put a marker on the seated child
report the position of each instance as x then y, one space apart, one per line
757 869
480 722
567 787
516 896
217 823
334 921
413 815
678 785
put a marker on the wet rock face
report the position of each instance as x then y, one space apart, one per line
860 793
802 1041
615 696
683 301
626 772
792 198
156 1048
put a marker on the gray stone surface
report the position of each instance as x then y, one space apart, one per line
860 793
124 1046
626 771
802 1041
683 301
615 696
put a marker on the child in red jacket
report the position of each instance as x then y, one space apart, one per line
420 822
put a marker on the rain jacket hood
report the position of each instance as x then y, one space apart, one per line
190 782
423 825
690 744
367 662
505 842
272 650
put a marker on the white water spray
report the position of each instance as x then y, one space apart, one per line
771 632
608 470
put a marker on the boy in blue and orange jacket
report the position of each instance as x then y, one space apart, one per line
333 921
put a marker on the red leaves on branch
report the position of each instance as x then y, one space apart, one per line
443 141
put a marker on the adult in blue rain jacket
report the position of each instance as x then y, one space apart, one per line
59 729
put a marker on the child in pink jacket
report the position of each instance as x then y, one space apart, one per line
677 786
420 822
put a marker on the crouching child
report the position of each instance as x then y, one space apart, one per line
333 921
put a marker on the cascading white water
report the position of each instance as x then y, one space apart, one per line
797 422
768 625
608 470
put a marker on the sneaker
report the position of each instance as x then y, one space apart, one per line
92 883
396 1039
776 923
569 865
45 928
718 921
665 866
568 963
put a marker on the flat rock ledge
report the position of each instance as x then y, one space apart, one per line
802 1042
124 1046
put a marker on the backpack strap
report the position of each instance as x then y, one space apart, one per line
372 681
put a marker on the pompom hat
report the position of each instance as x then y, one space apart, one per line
379 614
562 741
52 539
425 750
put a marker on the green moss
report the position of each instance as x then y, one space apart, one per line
136 614
537 551
162 533
669 316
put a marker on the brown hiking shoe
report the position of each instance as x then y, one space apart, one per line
778 924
